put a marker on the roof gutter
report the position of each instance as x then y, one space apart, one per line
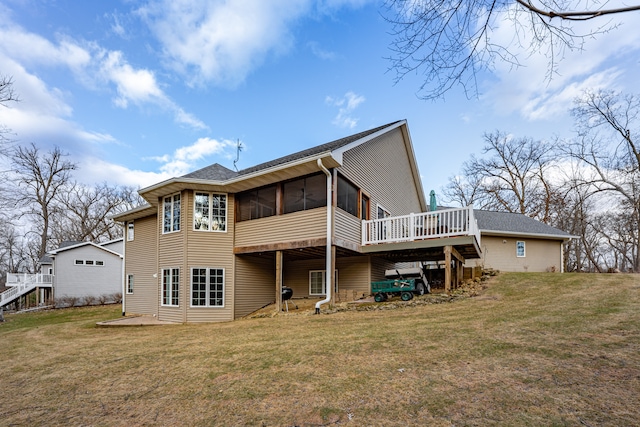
328 270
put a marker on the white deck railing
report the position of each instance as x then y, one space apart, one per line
428 225
21 284
14 279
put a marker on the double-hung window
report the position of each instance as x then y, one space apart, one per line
130 231
171 215
318 282
520 249
170 286
210 212
207 287
130 283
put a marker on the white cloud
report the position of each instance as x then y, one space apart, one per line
224 41
320 52
346 105
528 90
185 159
92 66
221 41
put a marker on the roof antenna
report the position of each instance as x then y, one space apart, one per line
238 150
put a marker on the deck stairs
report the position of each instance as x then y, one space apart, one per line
22 284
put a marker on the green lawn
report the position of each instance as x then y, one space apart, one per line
532 349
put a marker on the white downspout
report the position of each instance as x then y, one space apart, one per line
125 229
328 270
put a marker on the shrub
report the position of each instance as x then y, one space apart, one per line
89 300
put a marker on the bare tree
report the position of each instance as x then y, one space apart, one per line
512 176
607 148
86 210
7 95
39 179
449 41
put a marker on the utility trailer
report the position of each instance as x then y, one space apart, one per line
405 282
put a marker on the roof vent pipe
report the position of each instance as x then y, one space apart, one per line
328 275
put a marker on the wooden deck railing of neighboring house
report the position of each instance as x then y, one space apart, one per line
21 284
427 225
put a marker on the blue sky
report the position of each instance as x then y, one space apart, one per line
137 91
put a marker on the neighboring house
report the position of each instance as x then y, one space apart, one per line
516 242
88 269
216 245
74 270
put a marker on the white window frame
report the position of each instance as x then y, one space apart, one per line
99 263
129 284
210 220
172 223
173 286
524 249
79 262
130 231
324 281
208 290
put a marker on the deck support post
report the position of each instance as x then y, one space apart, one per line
447 268
279 270
334 283
449 253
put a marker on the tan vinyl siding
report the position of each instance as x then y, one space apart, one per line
382 169
209 249
296 276
255 284
172 254
500 253
296 226
378 268
142 262
347 228
354 275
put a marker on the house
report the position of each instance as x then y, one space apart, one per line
216 244
516 242
76 270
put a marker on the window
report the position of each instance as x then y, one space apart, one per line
79 262
364 207
171 207
258 203
347 196
520 253
210 212
88 262
100 263
305 193
383 213
130 284
207 287
382 225
318 282
170 286
130 231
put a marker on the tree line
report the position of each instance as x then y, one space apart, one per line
588 185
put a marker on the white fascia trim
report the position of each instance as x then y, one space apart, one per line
532 235
310 159
57 251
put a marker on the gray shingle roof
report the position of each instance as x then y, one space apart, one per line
507 222
214 172
217 172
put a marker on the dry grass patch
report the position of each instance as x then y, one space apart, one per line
534 349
